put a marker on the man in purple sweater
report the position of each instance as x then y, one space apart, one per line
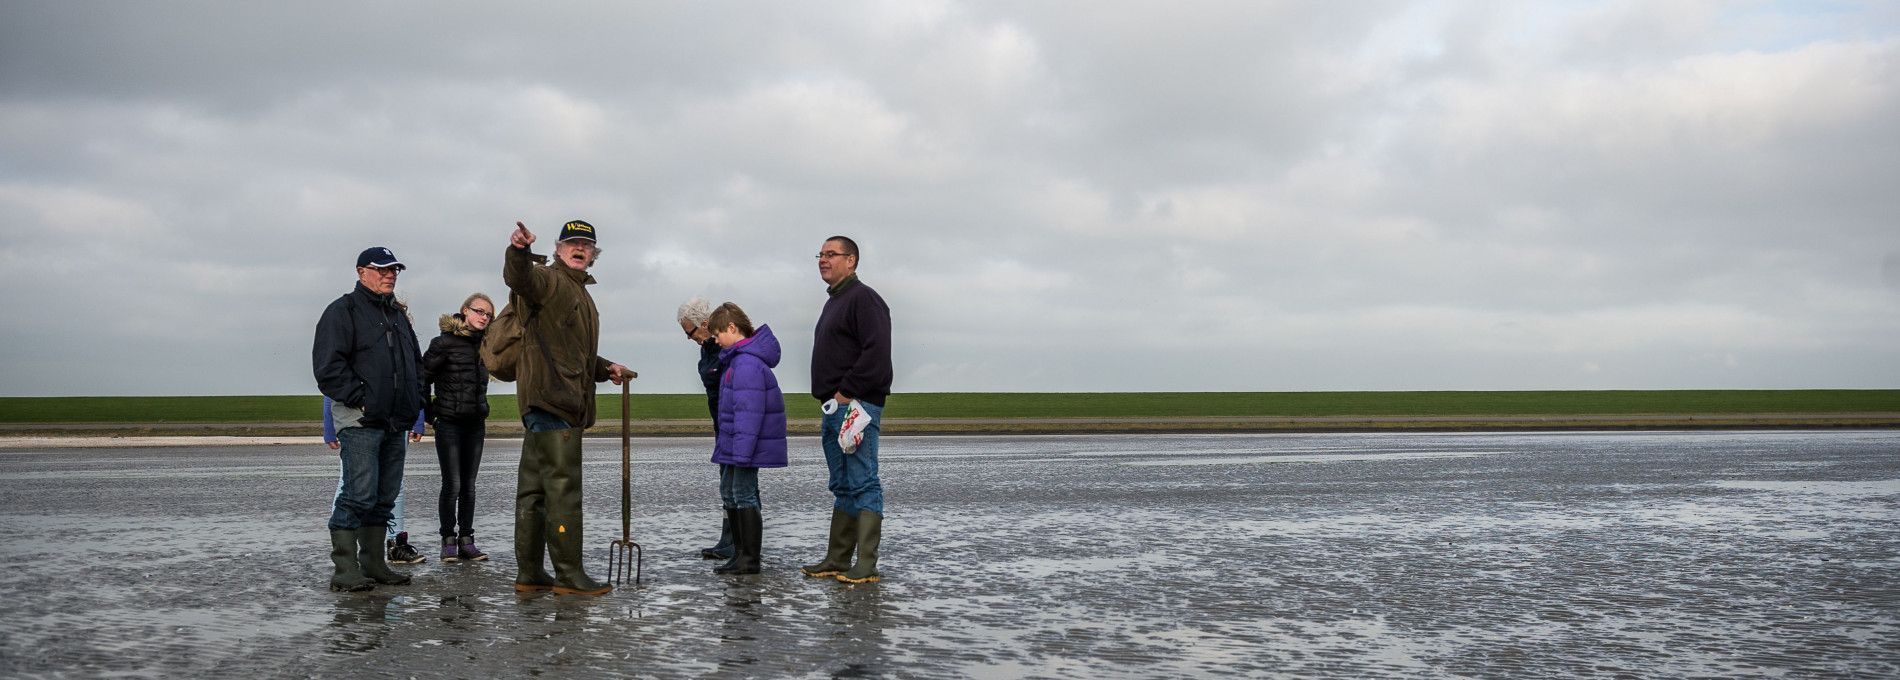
851 362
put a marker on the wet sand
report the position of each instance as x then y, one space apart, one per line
24 435
1337 555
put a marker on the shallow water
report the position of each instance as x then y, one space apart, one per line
1343 555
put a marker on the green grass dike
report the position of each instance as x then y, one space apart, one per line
1056 412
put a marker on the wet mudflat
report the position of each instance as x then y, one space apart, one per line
1553 555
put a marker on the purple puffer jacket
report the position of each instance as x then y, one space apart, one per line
751 407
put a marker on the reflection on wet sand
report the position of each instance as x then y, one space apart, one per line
1125 556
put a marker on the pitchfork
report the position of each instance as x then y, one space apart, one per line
625 556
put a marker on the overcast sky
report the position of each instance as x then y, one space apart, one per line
1073 196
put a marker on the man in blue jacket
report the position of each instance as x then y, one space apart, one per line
366 360
851 362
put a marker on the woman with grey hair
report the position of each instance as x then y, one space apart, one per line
692 317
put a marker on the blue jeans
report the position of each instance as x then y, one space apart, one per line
854 485
739 486
395 512
372 476
537 420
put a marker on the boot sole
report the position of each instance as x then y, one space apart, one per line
353 589
529 588
603 590
867 579
821 573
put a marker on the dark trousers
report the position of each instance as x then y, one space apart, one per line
458 447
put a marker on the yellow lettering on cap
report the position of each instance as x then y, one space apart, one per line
562 529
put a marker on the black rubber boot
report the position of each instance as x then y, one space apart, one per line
562 481
349 574
738 541
531 515
870 532
838 555
748 547
369 540
723 549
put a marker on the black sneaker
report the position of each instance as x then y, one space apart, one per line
400 552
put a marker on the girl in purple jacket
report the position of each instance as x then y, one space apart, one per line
751 427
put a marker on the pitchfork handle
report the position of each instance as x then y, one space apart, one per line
626 461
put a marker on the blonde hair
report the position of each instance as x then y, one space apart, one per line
478 296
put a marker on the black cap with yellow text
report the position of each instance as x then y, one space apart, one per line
577 229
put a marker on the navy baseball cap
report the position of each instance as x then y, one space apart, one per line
577 229
379 257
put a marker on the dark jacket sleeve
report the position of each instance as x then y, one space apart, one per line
336 334
872 372
748 376
520 271
435 366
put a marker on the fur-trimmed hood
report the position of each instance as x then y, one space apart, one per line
454 324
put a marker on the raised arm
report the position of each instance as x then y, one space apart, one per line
519 268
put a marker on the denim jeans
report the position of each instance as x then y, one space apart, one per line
395 511
372 476
853 483
739 486
537 420
458 447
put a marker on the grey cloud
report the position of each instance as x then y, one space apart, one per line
1195 196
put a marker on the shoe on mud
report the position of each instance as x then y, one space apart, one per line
451 550
467 551
400 552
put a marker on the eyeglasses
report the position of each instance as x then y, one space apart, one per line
485 313
385 271
830 254
691 331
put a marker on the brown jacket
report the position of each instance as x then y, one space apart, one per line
565 329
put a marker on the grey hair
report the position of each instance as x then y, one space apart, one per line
696 311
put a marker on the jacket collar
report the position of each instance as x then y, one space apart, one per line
374 298
579 276
841 285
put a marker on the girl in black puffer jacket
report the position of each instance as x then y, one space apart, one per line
457 382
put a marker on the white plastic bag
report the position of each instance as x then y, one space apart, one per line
851 433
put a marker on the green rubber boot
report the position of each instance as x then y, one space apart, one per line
870 531
531 514
349 574
838 555
562 480
369 540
